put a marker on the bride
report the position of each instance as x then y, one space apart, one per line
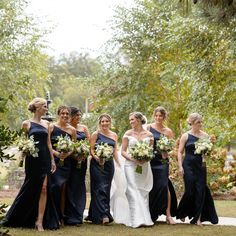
129 202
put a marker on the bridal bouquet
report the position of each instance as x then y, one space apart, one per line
141 151
27 146
164 145
203 146
81 149
64 145
104 152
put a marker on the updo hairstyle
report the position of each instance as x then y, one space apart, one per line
36 102
139 116
193 117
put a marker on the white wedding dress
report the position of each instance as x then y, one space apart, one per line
130 192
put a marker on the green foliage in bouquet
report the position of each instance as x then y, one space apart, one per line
141 151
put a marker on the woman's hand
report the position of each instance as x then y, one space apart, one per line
181 171
63 155
101 161
53 166
96 158
165 155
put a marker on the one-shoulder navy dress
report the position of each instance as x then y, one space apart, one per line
24 210
100 182
197 200
76 190
158 196
62 173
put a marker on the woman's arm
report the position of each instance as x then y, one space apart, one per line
53 165
25 126
182 143
125 142
86 131
93 140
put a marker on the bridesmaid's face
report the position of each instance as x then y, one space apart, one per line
105 124
64 115
197 124
76 118
134 122
42 109
159 118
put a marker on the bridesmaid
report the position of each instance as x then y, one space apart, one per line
162 198
197 202
99 210
61 128
76 189
33 205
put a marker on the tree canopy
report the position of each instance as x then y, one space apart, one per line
185 62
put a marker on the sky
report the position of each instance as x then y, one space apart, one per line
80 25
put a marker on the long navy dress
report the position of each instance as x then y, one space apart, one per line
76 190
100 182
197 200
62 174
158 196
24 210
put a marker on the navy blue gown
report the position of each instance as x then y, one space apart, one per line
158 196
197 200
100 182
62 174
24 210
76 190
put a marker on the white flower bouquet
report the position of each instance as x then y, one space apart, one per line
63 145
104 152
164 145
81 149
203 146
27 146
141 151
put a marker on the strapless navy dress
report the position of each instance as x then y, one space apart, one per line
62 174
24 210
158 197
100 182
76 190
197 200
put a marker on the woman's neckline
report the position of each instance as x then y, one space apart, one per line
37 123
62 129
157 130
105 136
137 138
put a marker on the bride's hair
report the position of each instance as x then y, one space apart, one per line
36 102
139 116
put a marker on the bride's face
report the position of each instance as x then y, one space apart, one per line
134 122
159 118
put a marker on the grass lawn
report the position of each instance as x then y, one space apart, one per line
120 230
226 208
